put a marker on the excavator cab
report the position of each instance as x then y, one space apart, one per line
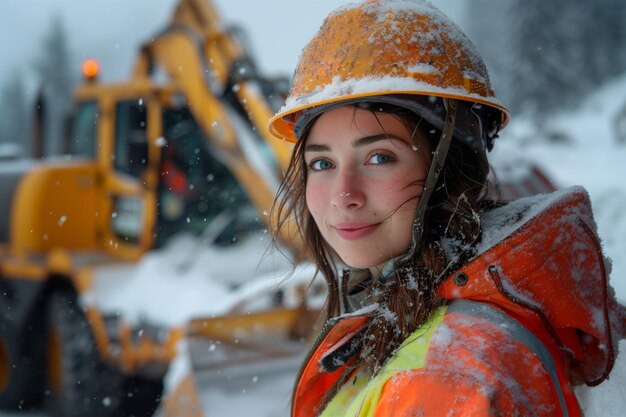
165 176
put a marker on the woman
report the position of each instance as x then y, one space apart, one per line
439 303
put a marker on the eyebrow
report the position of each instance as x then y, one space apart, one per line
366 140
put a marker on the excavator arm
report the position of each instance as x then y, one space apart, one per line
232 104
225 94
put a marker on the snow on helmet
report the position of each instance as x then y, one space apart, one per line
391 51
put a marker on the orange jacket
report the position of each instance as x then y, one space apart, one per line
527 318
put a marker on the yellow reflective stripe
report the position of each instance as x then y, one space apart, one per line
359 397
347 395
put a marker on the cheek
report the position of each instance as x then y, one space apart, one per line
398 194
316 199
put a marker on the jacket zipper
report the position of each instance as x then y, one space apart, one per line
328 326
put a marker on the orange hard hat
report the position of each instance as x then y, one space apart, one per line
393 48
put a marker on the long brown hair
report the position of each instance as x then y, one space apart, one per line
451 227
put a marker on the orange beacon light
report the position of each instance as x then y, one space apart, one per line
91 69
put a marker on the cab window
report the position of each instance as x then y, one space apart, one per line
82 140
131 143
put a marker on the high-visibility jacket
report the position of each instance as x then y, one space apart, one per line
530 316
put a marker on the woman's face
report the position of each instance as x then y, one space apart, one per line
364 177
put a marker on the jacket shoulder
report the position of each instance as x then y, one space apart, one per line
541 258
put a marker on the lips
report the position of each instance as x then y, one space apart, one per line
354 231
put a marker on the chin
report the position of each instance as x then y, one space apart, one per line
361 262
368 259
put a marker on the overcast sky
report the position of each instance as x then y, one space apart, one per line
112 30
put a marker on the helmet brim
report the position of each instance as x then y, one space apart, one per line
472 118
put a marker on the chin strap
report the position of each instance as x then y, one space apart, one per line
436 166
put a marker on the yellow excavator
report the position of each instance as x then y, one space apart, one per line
181 147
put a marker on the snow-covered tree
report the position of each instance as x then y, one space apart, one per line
545 55
53 67
605 40
15 117
486 28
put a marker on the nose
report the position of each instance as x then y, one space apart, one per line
347 191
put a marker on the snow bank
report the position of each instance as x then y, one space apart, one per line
189 279
609 398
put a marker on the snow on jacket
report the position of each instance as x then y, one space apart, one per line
529 317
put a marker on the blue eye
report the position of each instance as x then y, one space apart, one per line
380 159
321 165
